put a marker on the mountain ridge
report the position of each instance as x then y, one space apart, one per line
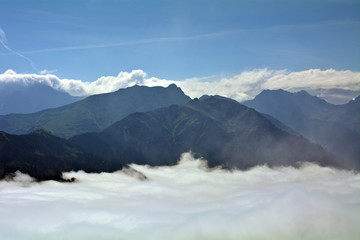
335 127
220 130
94 113
223 132
44 156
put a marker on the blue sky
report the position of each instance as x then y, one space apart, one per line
178 39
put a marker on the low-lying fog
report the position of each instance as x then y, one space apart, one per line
187 201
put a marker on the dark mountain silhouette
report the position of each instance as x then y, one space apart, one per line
226 133
94 113
45 156
32 98
335 127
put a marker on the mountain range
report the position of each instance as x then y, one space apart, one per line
93 113
335 127
155 125
225 133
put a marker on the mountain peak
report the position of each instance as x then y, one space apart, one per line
95 112
283 95
172 86
335 127
273 91
205 97
303 93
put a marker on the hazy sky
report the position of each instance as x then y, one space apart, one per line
177 39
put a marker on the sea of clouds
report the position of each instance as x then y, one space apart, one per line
186 201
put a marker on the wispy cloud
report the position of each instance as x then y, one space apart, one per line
46 71
203 36
133 42
321 24
3 42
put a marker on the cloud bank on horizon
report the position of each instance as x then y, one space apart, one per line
332 85
186 201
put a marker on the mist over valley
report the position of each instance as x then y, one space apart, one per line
185 201
179 120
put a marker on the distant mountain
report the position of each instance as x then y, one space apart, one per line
273 120
94 113
224 132
44 156
203 97
335 127
348 114
32 98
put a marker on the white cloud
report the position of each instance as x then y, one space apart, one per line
46 71
186 201
248 84
240 87
315 79
332 85
78 87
